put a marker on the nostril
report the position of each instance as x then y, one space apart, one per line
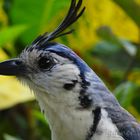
18 62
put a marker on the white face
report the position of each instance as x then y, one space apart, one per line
50 73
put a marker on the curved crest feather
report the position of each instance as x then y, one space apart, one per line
72 16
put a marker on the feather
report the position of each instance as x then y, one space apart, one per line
72 16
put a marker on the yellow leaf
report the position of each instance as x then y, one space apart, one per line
12 92
3 16
133 110
3 56
98 14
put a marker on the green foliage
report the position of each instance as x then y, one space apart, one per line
8 137
10 34
106 37
36 15
125 93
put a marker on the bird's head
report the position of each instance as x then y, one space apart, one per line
54 68
69 92
49 67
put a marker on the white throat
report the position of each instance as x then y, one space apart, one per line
65 119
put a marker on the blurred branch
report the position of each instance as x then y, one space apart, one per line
129 68
132 63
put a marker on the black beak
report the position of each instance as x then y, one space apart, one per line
13 67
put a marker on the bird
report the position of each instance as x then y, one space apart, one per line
74 100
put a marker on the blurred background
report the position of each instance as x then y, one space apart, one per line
107 37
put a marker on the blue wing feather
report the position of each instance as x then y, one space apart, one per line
126 124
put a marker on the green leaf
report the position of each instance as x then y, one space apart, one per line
107 34
11 33
125 93
40 116
131 8
130 48
37 14
8 137
112 56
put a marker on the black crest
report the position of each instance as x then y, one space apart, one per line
73 15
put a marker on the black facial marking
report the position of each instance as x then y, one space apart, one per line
70 86
67 53
85 101
84 85
93 128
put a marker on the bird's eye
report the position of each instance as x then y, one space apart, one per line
45 63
